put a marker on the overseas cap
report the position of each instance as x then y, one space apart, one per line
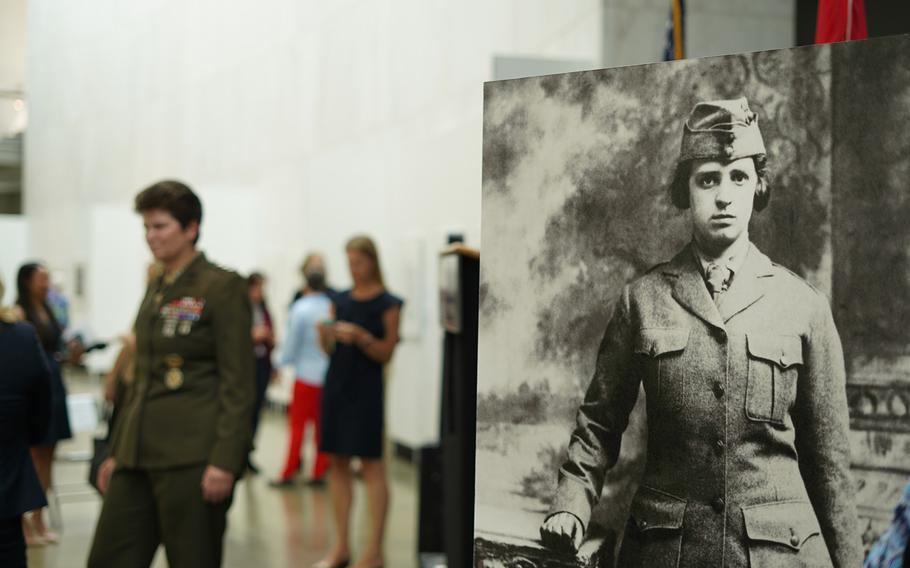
727 130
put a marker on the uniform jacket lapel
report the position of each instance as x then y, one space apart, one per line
184 280
689 288
748 286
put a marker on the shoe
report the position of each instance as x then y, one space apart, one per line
282 483
319 483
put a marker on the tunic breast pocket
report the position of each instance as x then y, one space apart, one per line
774 362
662 349
784 534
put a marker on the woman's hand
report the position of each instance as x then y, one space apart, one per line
105 470
326 329
75 350
110 386
262 334
346 332
562 531
216 484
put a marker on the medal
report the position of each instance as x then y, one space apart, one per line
179 314
173 378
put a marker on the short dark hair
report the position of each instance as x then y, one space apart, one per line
174 197
255 278
679 187
23 280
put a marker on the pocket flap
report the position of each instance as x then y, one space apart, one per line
658 341
654 509
784 350
789 523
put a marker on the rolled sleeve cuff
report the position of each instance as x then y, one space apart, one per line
571 497
229 457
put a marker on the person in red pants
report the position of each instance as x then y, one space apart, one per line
301 350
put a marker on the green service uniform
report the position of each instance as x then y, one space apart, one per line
189 405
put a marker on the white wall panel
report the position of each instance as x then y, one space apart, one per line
301 123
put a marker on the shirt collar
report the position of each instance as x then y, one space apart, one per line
168 279
733 260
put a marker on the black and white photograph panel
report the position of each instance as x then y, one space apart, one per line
693 343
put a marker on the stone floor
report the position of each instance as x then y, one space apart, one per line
266 527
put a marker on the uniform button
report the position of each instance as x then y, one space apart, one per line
718 389
718 504
794 540
720 335
719 447
643 525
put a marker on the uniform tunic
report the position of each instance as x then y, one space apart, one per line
189 405
747 451
197 329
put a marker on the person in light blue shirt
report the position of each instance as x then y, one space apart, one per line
302 351
891 549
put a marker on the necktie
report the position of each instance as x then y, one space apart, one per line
717 276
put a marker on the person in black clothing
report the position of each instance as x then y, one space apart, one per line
32 285
359 342
25 407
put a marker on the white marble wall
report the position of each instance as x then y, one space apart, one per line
340 117
13 252
12 64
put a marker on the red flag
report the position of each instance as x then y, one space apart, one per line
840 20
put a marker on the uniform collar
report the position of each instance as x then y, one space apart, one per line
168 280
733 260
689 286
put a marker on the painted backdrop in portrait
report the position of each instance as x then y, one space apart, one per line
575 205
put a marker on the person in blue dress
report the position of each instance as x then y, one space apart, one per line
360 341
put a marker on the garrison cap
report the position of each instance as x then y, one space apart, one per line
727 130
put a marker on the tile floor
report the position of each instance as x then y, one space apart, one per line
266 527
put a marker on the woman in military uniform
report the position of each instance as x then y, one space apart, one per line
183 432
747 453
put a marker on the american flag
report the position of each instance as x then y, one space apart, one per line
676 31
